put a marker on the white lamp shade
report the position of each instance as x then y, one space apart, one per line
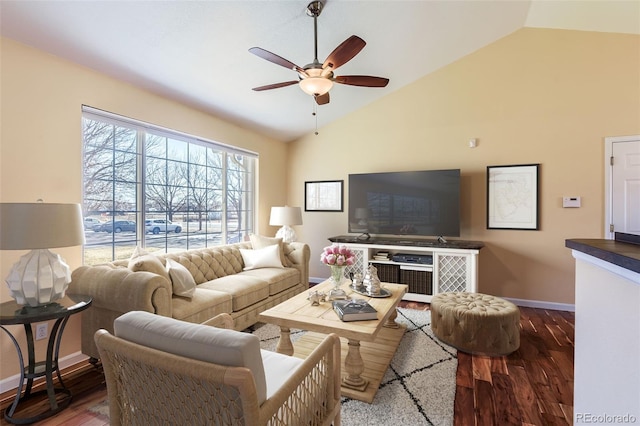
40 226
40 276
285 216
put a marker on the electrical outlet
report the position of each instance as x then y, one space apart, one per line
42 330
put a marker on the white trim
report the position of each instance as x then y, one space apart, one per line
316 280
608 202
11 383
102 115
540 304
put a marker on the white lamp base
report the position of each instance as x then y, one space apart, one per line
38 278
287 234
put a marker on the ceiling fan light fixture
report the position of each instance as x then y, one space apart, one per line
317 78
315 85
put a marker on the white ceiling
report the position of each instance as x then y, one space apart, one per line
196 52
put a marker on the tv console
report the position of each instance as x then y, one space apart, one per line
453 266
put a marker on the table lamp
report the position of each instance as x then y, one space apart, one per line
40 276
285 217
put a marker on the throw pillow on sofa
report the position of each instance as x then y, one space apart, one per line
259 241
181 279
268 257
142 261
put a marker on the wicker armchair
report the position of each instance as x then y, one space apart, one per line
150 386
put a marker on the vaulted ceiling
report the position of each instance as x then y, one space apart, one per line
196 52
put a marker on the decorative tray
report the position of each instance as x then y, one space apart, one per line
364 292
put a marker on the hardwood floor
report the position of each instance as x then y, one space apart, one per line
532 386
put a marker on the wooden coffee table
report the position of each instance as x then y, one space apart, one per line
367 346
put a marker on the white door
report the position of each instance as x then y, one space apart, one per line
624 200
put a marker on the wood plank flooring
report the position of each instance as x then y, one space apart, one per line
532 386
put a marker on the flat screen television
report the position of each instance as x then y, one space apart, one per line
418 203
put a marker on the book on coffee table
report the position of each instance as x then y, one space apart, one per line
354 310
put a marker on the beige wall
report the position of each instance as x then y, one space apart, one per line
40 147
535 96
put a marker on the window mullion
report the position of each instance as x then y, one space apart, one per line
225 193
141 178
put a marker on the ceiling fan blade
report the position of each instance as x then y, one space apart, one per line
322 99
362 80
274 86
278 60
344 52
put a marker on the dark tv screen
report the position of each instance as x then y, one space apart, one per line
421 203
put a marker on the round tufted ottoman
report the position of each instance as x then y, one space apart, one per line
476 323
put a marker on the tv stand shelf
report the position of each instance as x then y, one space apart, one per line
454 266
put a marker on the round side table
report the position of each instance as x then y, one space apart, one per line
12 313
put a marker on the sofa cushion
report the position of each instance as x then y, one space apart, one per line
267 257
196 341
142 261
245 289
260 241
279 279
203 305
181 279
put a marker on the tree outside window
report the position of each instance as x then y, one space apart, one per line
160 190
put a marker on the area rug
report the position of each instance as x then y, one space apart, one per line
418 388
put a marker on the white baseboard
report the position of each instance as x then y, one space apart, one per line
316 280
554 306
12 382
540 304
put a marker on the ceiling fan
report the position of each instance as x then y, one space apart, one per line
316 79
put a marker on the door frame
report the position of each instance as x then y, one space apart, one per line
608 184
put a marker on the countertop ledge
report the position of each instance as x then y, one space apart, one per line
623 251
408 242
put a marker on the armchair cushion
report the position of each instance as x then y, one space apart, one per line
278 369
196 341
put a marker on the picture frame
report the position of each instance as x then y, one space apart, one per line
513 197
324 196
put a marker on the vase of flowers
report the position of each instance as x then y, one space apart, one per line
337 257
337 274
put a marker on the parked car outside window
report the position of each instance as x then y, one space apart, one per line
117 226
156 226
90 222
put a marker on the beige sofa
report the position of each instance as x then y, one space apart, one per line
222 285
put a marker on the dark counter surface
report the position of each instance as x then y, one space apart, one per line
623 251
408 242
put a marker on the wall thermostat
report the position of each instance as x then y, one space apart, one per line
570 202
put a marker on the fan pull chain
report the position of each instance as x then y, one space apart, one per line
315 114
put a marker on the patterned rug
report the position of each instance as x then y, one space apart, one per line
418 388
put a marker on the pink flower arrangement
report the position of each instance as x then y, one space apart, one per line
337 255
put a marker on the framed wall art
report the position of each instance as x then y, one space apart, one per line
513 197
323 196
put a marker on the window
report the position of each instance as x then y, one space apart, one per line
162 190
